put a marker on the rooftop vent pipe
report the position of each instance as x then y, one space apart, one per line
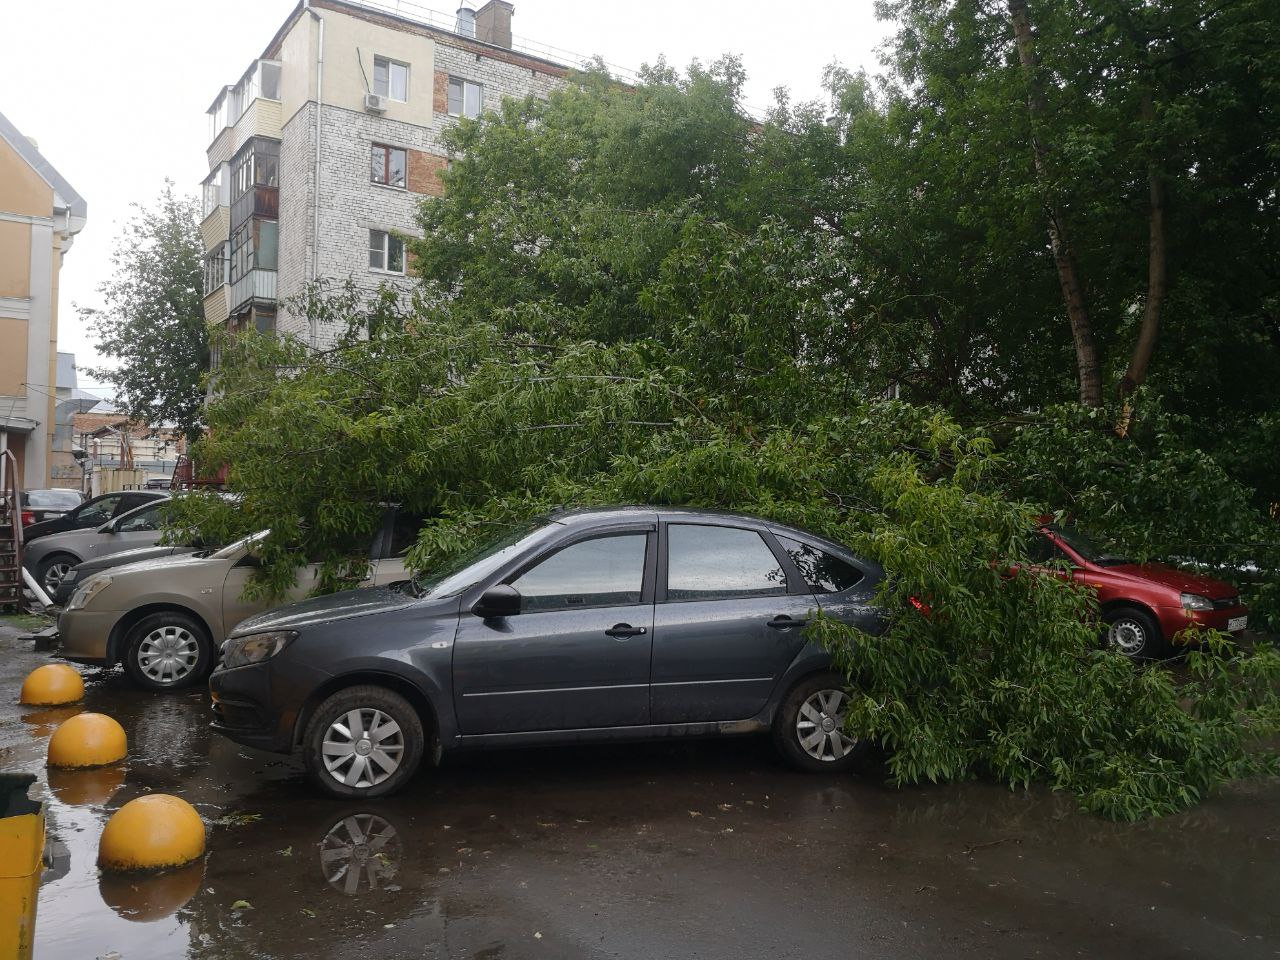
466 25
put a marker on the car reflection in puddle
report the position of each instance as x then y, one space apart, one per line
360 853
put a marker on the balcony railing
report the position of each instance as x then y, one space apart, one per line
256 286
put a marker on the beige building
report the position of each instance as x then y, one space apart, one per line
40 214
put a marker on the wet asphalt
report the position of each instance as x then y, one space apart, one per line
708 849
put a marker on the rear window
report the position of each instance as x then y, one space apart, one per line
823 572
53 499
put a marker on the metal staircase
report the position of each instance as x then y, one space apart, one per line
10 533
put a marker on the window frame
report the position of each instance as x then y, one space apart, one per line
463 82
648 583
387 149
387 237
390 62
795 585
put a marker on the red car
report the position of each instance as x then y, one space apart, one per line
1144 605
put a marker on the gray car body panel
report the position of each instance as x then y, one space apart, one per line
437 649
91 543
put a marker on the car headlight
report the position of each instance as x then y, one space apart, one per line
69 575
88 590
255 648
1193 601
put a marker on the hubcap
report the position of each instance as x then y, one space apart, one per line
1128 636
53 576
168 654
360 851
820 725
363 747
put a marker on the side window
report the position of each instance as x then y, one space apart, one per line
823 572
404 534
99 512
716 563
604 572
1040 549
145 519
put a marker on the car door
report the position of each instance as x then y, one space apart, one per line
728 621
577 655
139 529
843 588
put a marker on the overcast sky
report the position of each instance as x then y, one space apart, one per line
115 92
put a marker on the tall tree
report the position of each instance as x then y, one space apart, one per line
151 322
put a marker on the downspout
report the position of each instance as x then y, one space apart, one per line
315 179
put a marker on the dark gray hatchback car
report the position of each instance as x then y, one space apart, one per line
607 624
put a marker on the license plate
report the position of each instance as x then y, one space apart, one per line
1237 623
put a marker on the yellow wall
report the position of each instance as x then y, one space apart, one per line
21 188
13 357
344 83
15 259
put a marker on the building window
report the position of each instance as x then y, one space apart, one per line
465 98
215 268
213 195
253 247
386 252
388 165
391 79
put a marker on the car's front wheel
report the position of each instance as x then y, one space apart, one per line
809 727
51 570
1135 634
364 741
167 651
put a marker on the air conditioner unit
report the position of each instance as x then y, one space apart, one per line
375 103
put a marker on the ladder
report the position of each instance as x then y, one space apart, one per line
10 533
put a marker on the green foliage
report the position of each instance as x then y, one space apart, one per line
151 322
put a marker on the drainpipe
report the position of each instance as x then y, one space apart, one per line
315 205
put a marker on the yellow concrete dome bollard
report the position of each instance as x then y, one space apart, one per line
151 832
51 686
87 740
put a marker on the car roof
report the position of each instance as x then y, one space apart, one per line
623 512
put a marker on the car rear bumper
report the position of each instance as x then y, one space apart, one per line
86 634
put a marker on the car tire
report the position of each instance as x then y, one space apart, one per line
169 650
55 565
374 760
807 728
1134 633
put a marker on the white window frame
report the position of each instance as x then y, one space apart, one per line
463 85
387 239
387 90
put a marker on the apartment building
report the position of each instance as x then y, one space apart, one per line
320 154
40 215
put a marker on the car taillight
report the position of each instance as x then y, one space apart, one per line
28 517
920 605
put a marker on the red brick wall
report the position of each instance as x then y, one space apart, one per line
441 91
424 172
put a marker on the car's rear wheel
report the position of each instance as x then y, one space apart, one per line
809 727
364 741
1135 634
51 570
168 651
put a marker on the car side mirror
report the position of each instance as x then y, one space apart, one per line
108 527
500 600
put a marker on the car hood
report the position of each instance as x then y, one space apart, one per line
190 562
334 606
125 557
1176 579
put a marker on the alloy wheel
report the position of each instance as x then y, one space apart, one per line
363 747
1128 636
168 654
820 725
53 576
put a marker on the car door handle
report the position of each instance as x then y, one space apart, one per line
783 622
621 631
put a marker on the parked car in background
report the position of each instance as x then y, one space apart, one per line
615 624
82 571
40 506
89 513
1143 605
50 558
166 618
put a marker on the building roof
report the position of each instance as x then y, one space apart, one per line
67 198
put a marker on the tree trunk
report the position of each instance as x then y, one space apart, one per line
1157 280
1088 367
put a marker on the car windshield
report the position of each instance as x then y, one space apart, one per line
462 571
53 499
1086 546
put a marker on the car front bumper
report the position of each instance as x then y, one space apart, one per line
1182 626
85 635
258 705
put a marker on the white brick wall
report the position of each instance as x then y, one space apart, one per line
350 203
